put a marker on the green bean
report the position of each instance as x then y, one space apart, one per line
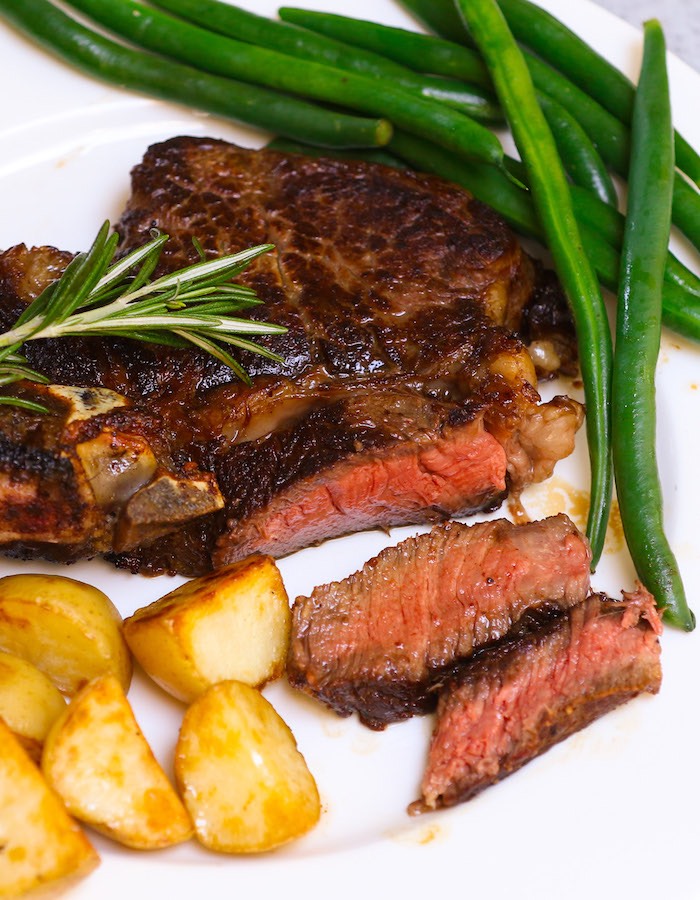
552 199
680 315
610 224
284 145
168 35
610 136
422 52
566 51
639 335
233 22
119 65
686 209
578 153
441 17
554 42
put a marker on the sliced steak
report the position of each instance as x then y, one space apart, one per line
399 291
381 641
516 700
376 461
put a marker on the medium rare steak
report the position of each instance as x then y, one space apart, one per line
401 368
516 700
382 640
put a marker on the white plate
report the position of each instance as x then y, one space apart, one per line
610 813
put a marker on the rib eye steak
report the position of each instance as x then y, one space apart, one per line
404 395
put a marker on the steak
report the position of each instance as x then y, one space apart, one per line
91 474
381 641
517 699
404 393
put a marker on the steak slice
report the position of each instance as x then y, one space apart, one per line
382 640
516 700
399 292
376 461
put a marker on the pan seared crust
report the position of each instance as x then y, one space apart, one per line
401 295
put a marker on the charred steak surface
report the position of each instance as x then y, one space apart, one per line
381 641
402 369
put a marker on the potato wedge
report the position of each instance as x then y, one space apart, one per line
29 702
96 758
232 624
39 842
69 630
245 783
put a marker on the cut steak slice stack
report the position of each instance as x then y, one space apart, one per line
494 624
381 641
519 698
401 367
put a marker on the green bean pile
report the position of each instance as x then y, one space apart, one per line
426 100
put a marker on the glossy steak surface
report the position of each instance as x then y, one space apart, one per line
404 394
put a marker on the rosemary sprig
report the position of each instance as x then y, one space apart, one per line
96 296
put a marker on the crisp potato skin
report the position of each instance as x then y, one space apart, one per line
69 630
29 702
231 624
245 783
39 842
99 762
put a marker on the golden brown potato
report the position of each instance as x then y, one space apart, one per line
232 624
99 762
39 842
69 630
29 702
245 784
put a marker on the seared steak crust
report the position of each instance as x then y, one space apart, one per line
362 250
382 640
90 474
399 292
516 700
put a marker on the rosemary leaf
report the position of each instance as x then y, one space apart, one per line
149 254
23 404
218 352
243 344
98 296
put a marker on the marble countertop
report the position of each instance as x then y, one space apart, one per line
680 18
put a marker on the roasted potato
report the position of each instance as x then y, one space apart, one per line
69 630
98 761
232 624
245 783
29 702
39 842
